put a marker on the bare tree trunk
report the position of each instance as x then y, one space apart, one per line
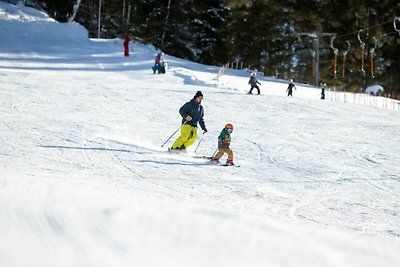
76 8
129 14
166 23
123 10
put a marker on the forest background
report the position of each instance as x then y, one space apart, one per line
346 44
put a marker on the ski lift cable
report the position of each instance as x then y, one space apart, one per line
386 34
366 28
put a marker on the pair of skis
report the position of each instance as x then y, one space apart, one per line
178 152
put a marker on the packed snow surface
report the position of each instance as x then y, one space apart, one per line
84 180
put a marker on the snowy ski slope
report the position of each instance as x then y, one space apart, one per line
84 180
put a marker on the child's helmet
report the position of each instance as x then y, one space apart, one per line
229 126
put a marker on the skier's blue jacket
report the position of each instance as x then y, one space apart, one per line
195 111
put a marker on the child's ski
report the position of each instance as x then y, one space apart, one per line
223 164
228 165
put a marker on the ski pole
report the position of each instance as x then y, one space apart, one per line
173 134
214 153
170 136
199 143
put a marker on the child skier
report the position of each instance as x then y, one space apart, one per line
224 140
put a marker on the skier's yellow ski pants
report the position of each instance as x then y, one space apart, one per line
187 138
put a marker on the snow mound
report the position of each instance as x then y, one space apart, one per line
21 27
374 89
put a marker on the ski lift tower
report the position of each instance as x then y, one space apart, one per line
317 36
99 21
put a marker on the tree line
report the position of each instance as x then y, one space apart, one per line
355 43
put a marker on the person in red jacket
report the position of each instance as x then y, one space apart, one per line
126 45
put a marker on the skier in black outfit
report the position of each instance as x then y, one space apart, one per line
253 82
323 87
290 88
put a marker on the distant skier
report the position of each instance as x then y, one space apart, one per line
323 87
224 140
192 113
253 82
126 45
289 90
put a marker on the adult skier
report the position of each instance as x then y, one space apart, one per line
192 114
224 140
253 82
289 90
126 45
